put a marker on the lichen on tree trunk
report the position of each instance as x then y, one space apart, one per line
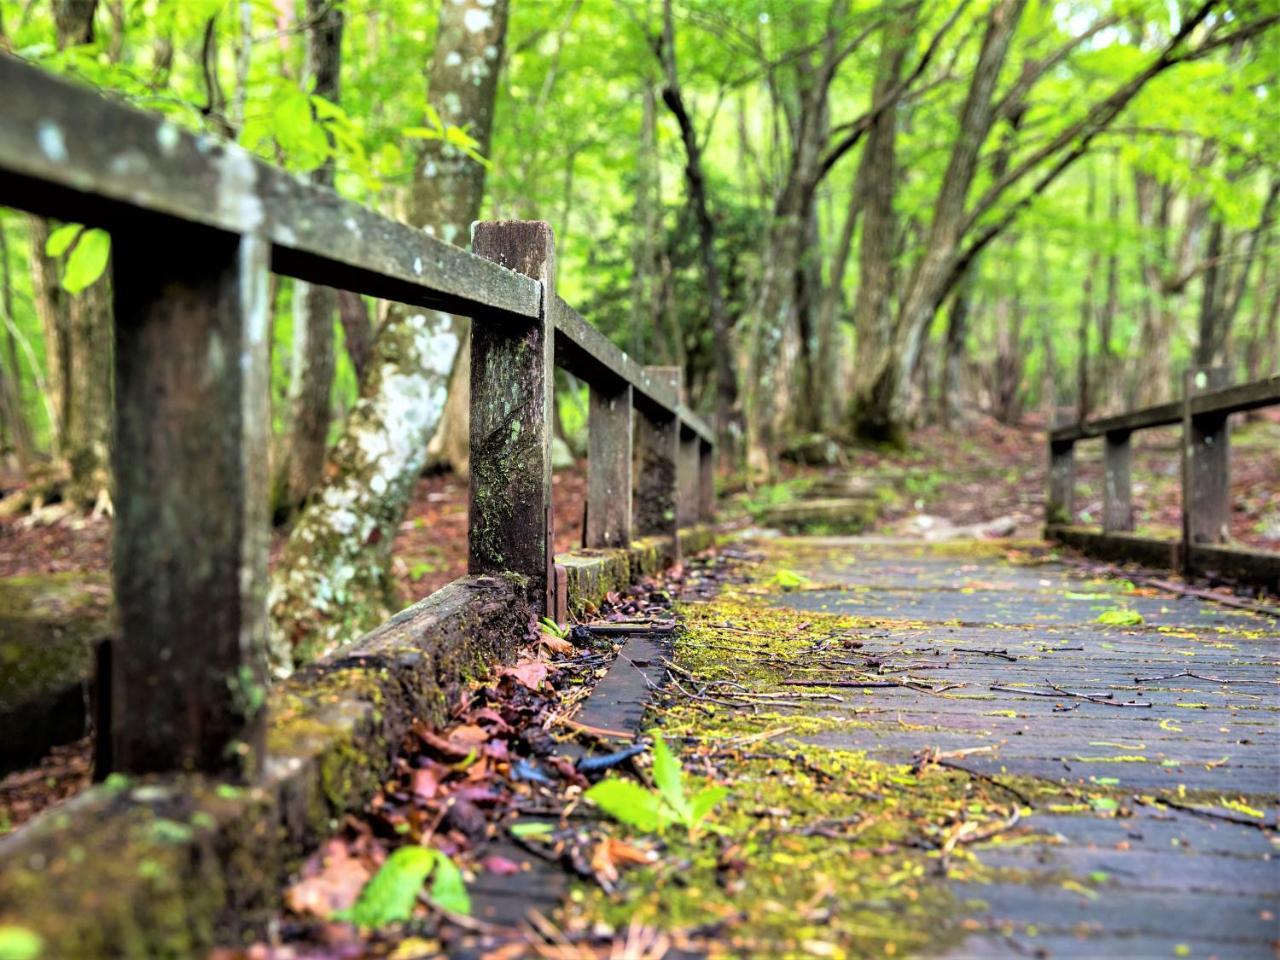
332 581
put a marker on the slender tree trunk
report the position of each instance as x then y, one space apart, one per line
881 405
357 331
1087 309
696 184
332 580
12 414
950 406
878 177
831 345
311 373
78 333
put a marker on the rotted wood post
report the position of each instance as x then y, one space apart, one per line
1206 491
689 471
706 482
609 421
1117 488
187 683
657 442
512 367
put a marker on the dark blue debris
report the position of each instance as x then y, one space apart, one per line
610 760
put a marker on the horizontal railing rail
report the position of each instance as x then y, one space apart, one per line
1203 413
197 225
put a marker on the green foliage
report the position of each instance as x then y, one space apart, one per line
391 893
19 943
789 580
1120 617
87 260
652 811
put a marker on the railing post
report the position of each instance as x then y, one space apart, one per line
188 673
609 421
1117 490
706 482
1205 469
512 367
657 450
689 469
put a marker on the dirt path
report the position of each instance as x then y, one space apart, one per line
885 799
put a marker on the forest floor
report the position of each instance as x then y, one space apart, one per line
981 473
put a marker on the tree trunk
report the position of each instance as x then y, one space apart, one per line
880 400
696 184
878 177
78 334
950 407
333 578
311 373
357 331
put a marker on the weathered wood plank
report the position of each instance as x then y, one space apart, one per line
511 420
1205 463
706 482
1237 398
657 442
1060 503
191 531
687 479
1161 415
609 453
68 152
1117 490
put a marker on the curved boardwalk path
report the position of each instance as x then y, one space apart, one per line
1166 882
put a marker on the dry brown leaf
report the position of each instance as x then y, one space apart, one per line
531 673
335 887
556 644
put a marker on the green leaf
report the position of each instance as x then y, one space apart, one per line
789 580
61 239
704 801
448 892
19 943
666 774
390 894
87 261
534 829
630 803
421 133
1120 618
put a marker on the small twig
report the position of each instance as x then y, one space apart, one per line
1105 700
1200 676
988 778
1002 654
1204 812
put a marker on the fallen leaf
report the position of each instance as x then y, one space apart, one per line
335 887
531 673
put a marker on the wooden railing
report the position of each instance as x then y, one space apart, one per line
197 225
1203 411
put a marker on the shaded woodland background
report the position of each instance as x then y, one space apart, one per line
846 221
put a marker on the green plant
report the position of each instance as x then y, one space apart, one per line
553 629
789 580
1119 617
19 943
654 810
390 894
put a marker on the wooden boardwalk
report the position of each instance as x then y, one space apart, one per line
1166 882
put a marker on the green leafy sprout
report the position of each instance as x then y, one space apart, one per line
652 811
391 893
1119 617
